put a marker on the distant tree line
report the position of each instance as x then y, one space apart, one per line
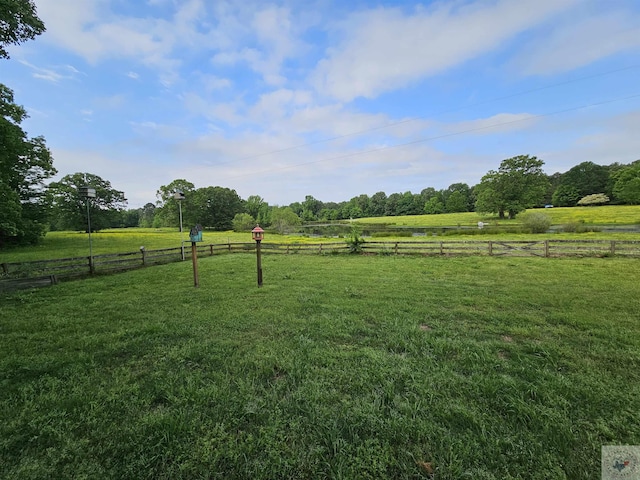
29 207
518 184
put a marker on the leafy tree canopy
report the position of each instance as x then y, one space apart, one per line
518 184
25 163
18 23
70 208
627 184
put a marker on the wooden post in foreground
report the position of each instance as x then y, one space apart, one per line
194 259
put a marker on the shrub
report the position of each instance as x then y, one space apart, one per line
594 199
579 227
354 240
243 222
536 222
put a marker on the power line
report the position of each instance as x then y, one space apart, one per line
422 140
414 119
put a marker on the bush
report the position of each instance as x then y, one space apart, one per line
354 240
594 199
243 222
536 222
579 227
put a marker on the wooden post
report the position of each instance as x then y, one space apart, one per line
211 249
144 256
5 268
546 248
441 248
613 247
194 259
259 261
396 248
490 248
320 249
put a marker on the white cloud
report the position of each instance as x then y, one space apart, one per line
499 123
579 42
214 82
386 49
276 37
54 74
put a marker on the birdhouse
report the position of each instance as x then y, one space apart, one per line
257 233
195 234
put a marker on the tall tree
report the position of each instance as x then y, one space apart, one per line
24 162
518 184
457 198
214 207
377 204
627 184
585 178
168 210
70 208
254 205
18 23
146 215
391 207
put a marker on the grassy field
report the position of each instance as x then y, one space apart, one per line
339 367
73 244
605 215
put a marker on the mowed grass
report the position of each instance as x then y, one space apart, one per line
601 215
339 367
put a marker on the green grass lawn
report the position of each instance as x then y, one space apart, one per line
339 367
609 214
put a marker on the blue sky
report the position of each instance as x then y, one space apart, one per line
327 98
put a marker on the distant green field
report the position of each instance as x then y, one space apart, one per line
611 214
339 367
74 244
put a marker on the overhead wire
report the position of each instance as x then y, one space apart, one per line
438 137
414 119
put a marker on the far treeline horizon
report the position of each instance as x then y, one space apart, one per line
518 184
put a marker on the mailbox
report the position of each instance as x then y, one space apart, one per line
195 235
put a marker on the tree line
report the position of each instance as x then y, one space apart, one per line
518 184
29 207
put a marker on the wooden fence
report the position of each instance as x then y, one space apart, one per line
47 272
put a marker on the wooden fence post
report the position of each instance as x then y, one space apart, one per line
211 249
396 248
144 256
229 246
546 249
613 247
5 268
490 248
320 249
441 248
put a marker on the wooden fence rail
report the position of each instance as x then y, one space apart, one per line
47 272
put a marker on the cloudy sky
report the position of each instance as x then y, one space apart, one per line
328 98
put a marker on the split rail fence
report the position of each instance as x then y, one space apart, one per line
38 273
